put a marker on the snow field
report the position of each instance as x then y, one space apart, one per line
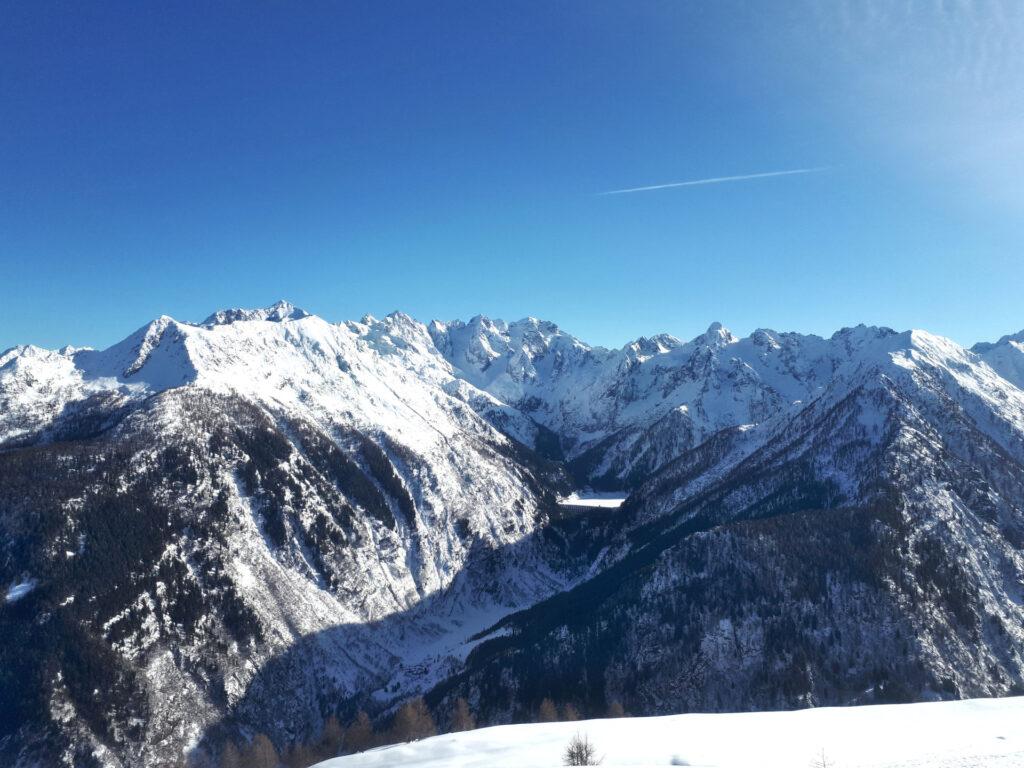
978 733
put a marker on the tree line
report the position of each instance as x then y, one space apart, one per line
411 722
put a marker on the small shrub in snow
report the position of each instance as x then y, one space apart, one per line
581 751
822 761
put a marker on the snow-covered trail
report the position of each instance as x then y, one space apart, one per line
978 733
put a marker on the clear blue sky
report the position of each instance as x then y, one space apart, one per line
445 158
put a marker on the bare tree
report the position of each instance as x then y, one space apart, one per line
199 757
331 738
570 714
462 718
300 756
261 753
230 757
615 709
360 733
547 712
581 751
413 721
822 761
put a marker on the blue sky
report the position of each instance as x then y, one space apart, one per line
446 159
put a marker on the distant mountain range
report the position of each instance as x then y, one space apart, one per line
248 524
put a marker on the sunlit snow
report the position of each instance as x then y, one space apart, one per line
19 590
979 733
605 500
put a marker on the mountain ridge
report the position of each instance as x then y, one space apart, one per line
283 518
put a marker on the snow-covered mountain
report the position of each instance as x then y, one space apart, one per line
277 476
622 414
866 542
1005 357
249 523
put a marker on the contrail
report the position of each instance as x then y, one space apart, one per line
716 180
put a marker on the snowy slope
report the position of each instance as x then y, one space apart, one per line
377 376
979 733
380 378
1006 357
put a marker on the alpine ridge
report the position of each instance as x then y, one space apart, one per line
251 523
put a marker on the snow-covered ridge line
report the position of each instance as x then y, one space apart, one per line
661 343
652 399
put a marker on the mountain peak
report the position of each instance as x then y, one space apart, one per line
645 347
277 312
1005 357
717 335
987 346
400 318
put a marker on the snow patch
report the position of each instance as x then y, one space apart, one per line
588 499
17 591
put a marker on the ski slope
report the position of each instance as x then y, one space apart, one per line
978 733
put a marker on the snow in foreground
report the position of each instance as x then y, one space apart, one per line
980 733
